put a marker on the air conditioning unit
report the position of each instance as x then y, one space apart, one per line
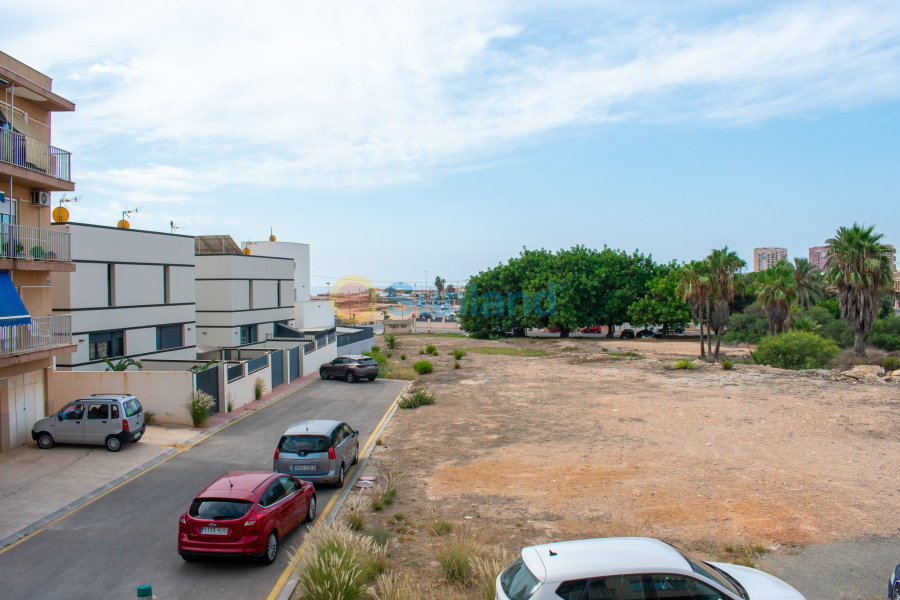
40 198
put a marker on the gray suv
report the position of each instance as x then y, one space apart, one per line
102 419
319 451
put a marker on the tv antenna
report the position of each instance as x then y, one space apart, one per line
61 213
173 227
124 224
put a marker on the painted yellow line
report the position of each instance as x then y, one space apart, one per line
148 469
295 558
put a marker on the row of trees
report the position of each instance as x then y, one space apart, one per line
581 287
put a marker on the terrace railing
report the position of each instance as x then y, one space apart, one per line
34 155
35 243
41 334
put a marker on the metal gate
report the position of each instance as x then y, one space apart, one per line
294 363
208 381
276 363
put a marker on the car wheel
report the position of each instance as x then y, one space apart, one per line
340 482
371 379
271 551
189 558
45 440
356 456
113 444
311 509
350 377
323 374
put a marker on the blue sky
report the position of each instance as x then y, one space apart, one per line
443 136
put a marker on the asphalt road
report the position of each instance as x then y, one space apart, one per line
129 538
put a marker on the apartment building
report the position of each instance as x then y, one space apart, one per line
31 335
308 313
818 257
240 297
763 258
132 296
892 257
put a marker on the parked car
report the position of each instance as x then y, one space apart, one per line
101 419
352 368
627 334
644 333
245 514
592 329
631 569
672 329
894 585
320 451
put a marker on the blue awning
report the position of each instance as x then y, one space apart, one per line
10 303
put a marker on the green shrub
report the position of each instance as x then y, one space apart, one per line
891 363
455 556
390 354
727 365
376 348
423 367
398 517
338 564
421 351
885 333
832 305
795 350
839 332
749 326
422 397
380 536
392 342
430 349
259 387
456 365
495 336
458 354
402 357
684 363
439 527
377 504
407 403
356 521
149 417
199 404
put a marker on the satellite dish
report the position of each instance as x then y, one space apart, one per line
123 224
60 214
247 251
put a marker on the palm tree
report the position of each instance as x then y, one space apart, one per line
810 287
439 284
806 324
724 267
392 342
694 288
776 291
859 267
122 365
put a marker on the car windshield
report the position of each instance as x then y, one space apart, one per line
219 509
132 407
518 582
710 572
303 444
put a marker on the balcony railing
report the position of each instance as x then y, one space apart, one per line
34 155
41 334
34 243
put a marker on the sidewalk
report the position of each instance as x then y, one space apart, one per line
38 486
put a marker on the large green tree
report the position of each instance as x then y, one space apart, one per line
661 304
724 270
859 267
776 292
810 285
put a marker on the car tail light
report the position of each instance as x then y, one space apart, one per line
331 453
182 521
250 523
276 454
124 424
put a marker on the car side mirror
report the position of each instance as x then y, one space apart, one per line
59 417
355 433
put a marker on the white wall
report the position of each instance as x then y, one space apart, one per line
313 315
298 252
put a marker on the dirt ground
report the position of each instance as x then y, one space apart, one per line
581 443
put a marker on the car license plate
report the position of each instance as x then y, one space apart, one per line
214 530
303 467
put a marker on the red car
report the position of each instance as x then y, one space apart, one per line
592 329
245 514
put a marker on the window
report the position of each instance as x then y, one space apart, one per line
347 431
170 336
571 590
132 407
250 294
98 411
679 587
279 293
273 494
108 344
115 411
303 444
518 582
167 282
219 509
701 568
627 587
248 334
110 285
73 412
290 485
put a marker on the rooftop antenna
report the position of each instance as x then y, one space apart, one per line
61 213
123 223
173 227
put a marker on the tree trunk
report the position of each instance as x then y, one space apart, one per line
771 326
859 345
708 333
718 341
702 341
611 329
563 333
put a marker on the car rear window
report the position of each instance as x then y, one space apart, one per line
132 407
518 582
367 361
304 444
219 509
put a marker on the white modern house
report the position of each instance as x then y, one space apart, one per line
132 295
308 314
240 297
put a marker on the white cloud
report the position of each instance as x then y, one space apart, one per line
373 93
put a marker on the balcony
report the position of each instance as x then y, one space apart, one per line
42 334
41 164
34 248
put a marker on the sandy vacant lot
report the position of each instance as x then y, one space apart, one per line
581 443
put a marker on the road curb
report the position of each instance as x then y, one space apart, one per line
23 533
290 584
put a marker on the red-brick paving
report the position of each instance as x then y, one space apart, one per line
223 417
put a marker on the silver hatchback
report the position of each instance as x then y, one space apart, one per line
319 451
102 419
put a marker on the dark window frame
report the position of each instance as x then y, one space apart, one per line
115 344
165 337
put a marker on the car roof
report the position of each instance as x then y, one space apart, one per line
315 426
106 397
354 356
240 485
581 559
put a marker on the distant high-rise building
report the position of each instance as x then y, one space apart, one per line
892 257
763 258
818 256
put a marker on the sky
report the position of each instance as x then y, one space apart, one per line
412 139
